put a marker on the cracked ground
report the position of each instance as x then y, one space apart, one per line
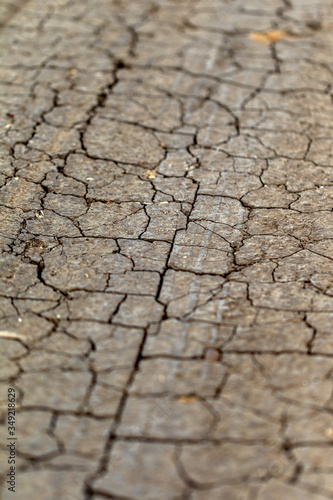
166 277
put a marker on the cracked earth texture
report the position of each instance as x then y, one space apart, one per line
167 248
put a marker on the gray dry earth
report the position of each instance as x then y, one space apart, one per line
167 236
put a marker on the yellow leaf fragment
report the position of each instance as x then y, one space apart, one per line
268 36
150 174
5 407
187 399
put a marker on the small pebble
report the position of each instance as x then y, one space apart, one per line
212 354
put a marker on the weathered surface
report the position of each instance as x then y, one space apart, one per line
166 274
